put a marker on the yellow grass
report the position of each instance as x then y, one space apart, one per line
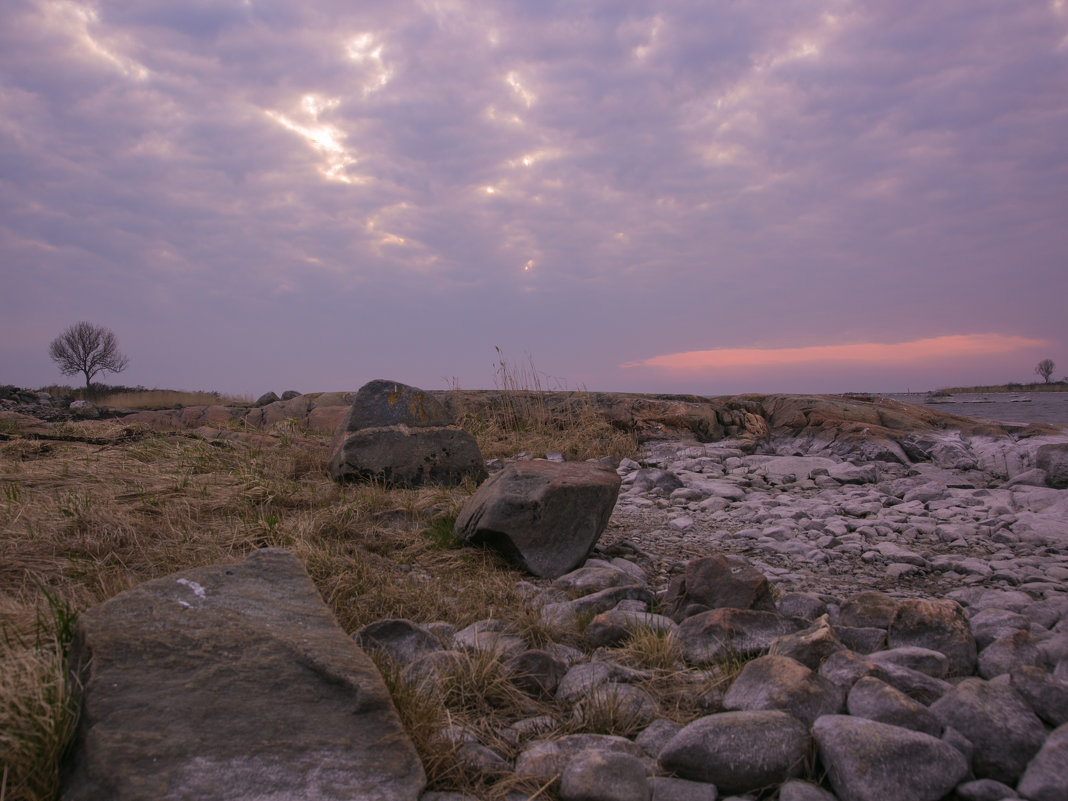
169 399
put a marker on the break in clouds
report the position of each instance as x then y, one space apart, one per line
691 196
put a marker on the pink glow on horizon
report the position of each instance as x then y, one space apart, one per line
870 352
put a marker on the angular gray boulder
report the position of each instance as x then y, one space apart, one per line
715 582
544 516
401 436
871 761
998 722
1044 779
232 682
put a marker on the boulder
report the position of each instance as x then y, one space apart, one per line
739 751
715 582
544 760
1007 653
871 761
1003 729
1047 694
727 634
401 436
401 640
876 700
1053 459
1044 779
544 516
779 682
604 776
868 609
939 625
232 682
811 647
266 398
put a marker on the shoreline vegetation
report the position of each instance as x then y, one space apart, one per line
1038 386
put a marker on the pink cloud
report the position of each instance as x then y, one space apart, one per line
918 350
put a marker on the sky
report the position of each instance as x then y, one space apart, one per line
704 196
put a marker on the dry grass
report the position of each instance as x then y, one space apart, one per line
99 507
522 415
140 398
84 521
169 399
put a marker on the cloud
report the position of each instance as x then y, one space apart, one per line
869 353
662 173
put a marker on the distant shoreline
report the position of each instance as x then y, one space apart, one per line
1052 386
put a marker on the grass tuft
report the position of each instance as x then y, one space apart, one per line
522 416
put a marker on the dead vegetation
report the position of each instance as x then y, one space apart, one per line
90 509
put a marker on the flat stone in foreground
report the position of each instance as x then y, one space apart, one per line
232 682
871 761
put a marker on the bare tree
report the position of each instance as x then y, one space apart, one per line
1045 369
88 349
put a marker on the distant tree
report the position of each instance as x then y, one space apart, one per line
87 349
1045 369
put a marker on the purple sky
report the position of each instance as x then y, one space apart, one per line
697 195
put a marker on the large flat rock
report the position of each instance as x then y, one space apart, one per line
232 682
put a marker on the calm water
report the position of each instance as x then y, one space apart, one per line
1011 407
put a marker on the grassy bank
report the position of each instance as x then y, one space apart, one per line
110 506
120 397
1052 386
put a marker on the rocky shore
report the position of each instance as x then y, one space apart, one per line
885 587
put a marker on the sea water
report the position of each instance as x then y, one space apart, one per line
1009 407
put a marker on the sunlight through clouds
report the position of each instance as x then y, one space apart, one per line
327 140
528 97
934 348
641 52
77 20
364 49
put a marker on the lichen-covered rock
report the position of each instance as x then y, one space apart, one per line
402 640
779 682
718 581
721 634
604 776
940 625
401 436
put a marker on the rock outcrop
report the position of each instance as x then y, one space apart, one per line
232 682
401 436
